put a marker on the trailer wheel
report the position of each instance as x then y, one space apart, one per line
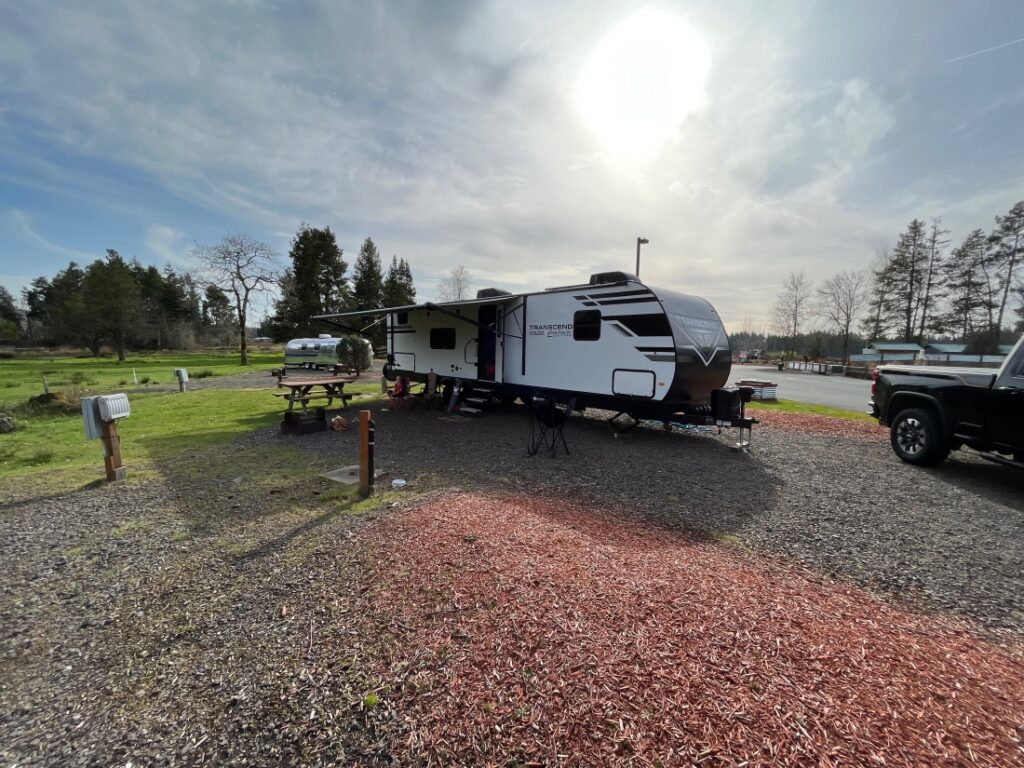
916 437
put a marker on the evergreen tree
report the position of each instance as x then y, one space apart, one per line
7 309
398 286
1007 253
314 284
967 284
932 282
112 296
368 286
877 324
907 277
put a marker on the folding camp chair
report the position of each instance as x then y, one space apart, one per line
547 420
427 395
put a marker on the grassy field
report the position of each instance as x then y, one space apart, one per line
22 377
791 406
50 446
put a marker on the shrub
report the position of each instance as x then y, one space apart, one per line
355 352
55 403
203 374
144 380
40 457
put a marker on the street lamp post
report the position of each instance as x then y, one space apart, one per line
639 241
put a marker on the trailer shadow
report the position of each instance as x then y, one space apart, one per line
692 481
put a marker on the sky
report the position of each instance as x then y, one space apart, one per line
531 142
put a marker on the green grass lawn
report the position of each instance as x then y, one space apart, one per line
21 377
791 406
51 448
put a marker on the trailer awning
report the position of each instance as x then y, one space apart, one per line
429 305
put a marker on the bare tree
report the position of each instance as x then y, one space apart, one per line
841 299
455 285
241 266
792 306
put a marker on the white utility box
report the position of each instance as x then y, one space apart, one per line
114 407
182 374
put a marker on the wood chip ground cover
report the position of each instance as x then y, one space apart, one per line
539 632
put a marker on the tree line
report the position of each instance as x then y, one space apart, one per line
920 290
122 303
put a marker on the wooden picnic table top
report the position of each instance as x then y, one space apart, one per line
317 380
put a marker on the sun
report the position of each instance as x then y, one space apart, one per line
641 81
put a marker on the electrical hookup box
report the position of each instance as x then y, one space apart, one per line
96 410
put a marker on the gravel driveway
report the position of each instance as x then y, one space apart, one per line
213 617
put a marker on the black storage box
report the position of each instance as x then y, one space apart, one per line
725 404
298 423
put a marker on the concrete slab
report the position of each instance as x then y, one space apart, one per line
350 475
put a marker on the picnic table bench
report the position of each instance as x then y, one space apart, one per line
302 391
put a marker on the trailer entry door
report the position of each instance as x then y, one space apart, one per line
487 341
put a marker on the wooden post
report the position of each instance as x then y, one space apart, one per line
365 455
112 451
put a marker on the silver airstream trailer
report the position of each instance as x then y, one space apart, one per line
325 351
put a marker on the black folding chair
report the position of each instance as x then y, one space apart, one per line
547 423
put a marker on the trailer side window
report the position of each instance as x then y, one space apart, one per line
586 325
304 346
402 318
442 338
316 346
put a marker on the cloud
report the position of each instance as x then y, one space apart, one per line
22 223
448 133
168 244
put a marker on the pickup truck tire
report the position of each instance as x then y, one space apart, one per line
916 437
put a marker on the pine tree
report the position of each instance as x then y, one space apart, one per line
877 324
967 284
398 286
932 282
908 270
314 284
368 287
367 278
1007 253
112 300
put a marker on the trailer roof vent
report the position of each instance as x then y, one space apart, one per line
490 293
325 336
611 277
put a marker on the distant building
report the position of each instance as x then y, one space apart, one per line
945 349
892 351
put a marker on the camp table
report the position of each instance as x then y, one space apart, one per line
302 390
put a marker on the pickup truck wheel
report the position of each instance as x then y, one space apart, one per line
917 438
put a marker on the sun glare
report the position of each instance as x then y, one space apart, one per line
642 80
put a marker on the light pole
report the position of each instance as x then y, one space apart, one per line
639 241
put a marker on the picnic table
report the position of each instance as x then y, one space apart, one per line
302 391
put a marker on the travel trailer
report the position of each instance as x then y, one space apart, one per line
613 343
325 351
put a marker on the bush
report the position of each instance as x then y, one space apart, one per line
355 352
55 403
144 380
203 374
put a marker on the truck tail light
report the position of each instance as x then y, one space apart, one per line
874 381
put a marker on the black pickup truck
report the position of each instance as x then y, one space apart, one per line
931 411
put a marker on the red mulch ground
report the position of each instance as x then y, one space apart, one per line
815 424
540 633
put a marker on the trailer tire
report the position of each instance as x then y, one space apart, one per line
916 437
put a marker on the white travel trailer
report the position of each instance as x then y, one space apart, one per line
613 343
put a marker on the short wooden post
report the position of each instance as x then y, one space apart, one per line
112 451
365 455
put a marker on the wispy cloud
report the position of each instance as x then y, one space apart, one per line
22 222
985 50
448 133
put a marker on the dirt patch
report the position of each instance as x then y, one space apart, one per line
540 632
